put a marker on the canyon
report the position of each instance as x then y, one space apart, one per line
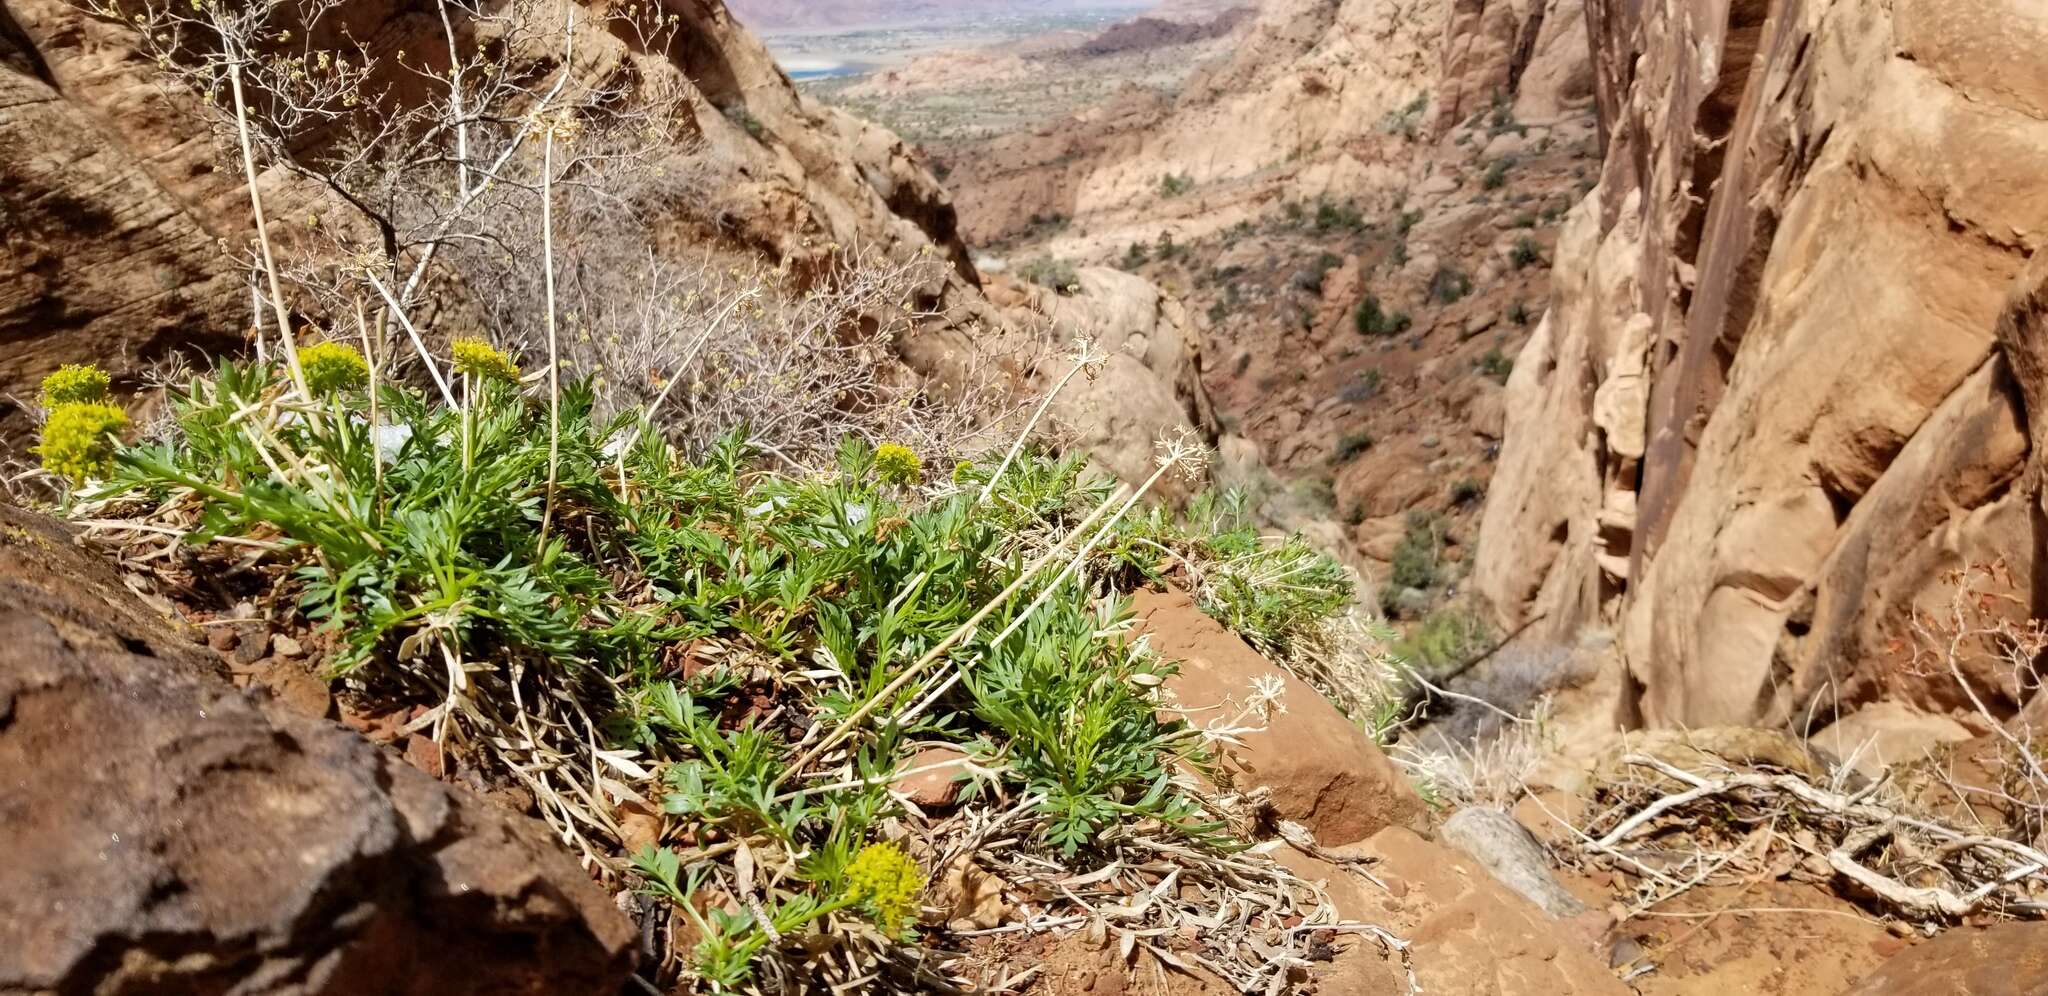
1667 377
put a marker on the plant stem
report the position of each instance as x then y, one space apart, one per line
547 241
284 321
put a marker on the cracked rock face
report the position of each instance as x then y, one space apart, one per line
166 833
1768 409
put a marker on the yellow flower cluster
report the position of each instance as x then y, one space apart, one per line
74 383
477 358
332 366
78 439
888 881
897 464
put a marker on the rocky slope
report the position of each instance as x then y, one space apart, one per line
1356 202
115 207
1780 390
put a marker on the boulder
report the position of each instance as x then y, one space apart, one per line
1318 769
1509 852
2006 959
1886 733
166 833
1468 933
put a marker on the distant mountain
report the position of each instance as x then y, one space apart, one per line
768 15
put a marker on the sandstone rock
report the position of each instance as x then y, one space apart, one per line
1886 733
1512 855
1150 388
2007 959
1322 771
166 833
1709 748
1470 934
932 777
1805 477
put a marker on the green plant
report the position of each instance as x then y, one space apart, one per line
1449 284
1444 639
1496 175
1370 381
1278 596
1496 365
1372 320
1135 255
1331 216
897 464
1417 555
1525 252
1312 277
1518 313
910 615
80 439
1175 184
1353 444
75 383
739 115
1049 271
1466 490
333 366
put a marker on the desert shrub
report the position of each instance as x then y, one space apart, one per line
1525 220
1279 596
1353 444
1175 184
1311 278
1053 272
1372 320
1136 255
1496 365
1525 252
1406 120
1407 221
1417 556
1449 285
739 115
1333 216
1444 639
1466 490
1496 175
1518 313
1369 385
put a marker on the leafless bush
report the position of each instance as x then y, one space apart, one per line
1510 683
1676 827
494 185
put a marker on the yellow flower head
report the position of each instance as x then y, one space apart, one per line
889 882
897 464
76 383
332 366
78 439
478 358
